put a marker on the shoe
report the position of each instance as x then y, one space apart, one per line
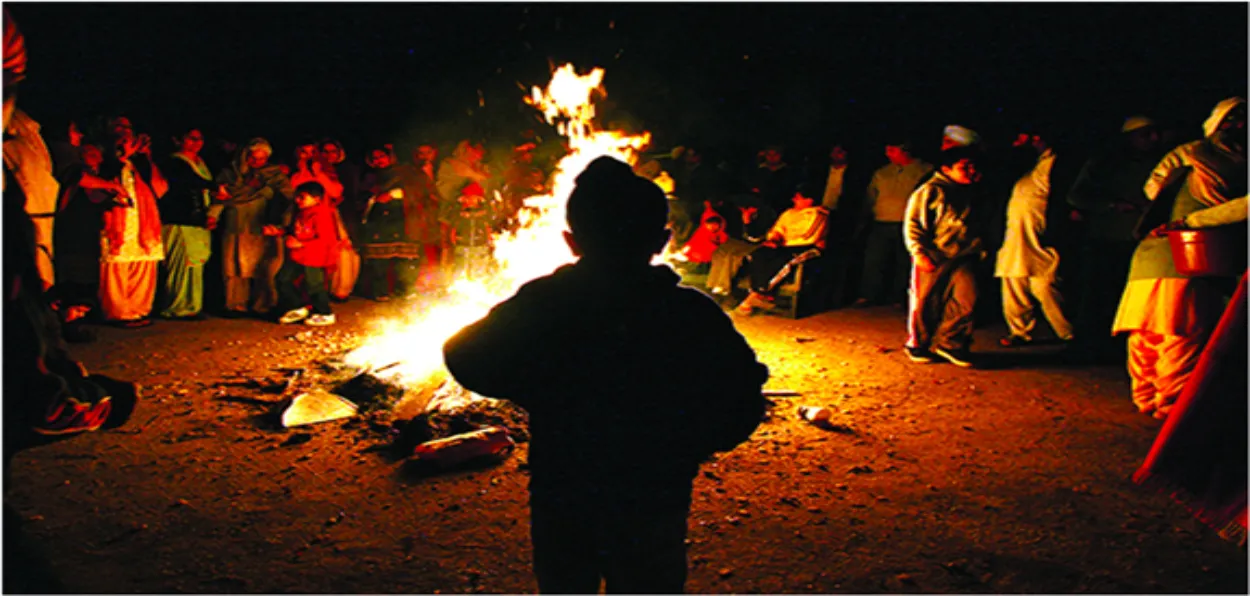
1014 341
919 355
718 291
294 316
960 358
134 323
320 320
861 303
382 299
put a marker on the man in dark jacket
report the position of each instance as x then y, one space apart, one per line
621 416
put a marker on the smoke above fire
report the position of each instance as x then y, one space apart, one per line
535 248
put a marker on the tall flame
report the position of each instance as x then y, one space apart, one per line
534 249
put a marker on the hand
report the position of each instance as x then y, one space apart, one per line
293 242
221 193
316 167
1171 226
924 263
211 224
272 230
383 198
749 213
144 145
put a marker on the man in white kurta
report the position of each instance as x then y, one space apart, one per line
1026 263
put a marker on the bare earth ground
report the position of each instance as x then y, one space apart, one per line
935 479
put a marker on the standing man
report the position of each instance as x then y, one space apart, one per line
944 247
1028 262
619 423
886 262
1107 198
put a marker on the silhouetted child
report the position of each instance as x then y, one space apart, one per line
312 243
620 415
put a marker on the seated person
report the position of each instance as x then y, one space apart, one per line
696 255
798 230
729 257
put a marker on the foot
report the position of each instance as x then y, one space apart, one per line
134 323
919 355
294 316
960 358
1014 341
320 320
382 299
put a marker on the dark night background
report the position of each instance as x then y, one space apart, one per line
734 76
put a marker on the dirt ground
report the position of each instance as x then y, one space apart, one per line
933 479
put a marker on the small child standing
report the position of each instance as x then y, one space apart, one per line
471 219
312 244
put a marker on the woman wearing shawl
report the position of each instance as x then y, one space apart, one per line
131 244
1169 316
246 190
387 245
185 228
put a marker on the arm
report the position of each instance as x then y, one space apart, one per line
916 224
1167 168
1231 212
496 357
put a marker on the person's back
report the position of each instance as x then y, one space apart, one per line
620 414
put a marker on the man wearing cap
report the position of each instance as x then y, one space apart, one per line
887 264
1107 198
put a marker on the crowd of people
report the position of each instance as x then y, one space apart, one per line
105 225
128 233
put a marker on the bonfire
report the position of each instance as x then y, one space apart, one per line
410 348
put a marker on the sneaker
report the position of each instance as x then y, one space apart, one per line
294 316
919 355
960 358
719 291
320 320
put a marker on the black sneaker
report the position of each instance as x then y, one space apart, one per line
960 358
919 355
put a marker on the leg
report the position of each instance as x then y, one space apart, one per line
289 297
647 552
1018 307
565 551
317 283
406 271
877 264
377 271
954 332
238 289
266 271
726 262
1177 357
1047 293
1142 357
920 320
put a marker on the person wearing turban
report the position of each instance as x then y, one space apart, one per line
1167 315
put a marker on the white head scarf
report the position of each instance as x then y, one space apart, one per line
1217 115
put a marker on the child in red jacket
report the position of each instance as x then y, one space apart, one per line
312 244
